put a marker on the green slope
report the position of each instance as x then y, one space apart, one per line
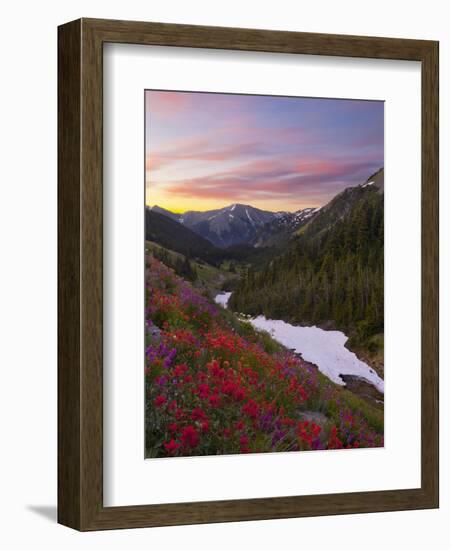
174 236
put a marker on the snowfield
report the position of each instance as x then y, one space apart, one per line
324 348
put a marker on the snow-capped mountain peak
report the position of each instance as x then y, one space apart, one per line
227 226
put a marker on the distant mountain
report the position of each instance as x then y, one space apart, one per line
167 232
232 225
229 226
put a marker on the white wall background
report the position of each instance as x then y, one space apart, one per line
28 272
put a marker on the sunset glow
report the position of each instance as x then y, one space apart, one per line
206 151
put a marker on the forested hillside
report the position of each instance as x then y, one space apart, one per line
332 273
169 233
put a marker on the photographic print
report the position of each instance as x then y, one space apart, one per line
264 274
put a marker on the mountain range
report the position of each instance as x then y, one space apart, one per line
242 224
224 227
238 223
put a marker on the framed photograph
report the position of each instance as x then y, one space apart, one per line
248 274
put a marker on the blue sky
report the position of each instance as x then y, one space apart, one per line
206 150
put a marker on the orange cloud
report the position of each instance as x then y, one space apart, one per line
283 177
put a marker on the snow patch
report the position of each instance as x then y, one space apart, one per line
248 216
222 299
324 348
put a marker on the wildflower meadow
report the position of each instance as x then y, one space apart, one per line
215 386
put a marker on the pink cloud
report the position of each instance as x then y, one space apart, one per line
166 103
200 149
266 178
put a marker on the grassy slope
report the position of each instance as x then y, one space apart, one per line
371 351
209 276
215 386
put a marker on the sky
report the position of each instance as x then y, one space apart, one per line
206 151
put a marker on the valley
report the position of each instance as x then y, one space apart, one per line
317 266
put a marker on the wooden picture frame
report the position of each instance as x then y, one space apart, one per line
80 272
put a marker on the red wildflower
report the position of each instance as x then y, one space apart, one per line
214 401
215 369
302 392
190 437
228 388
316 429
179 414
308 432
160 400
172 446
333 441
179 370
173 427
198 414
203 390
243 440
172 405
239 394
204 424
287 421
251 409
